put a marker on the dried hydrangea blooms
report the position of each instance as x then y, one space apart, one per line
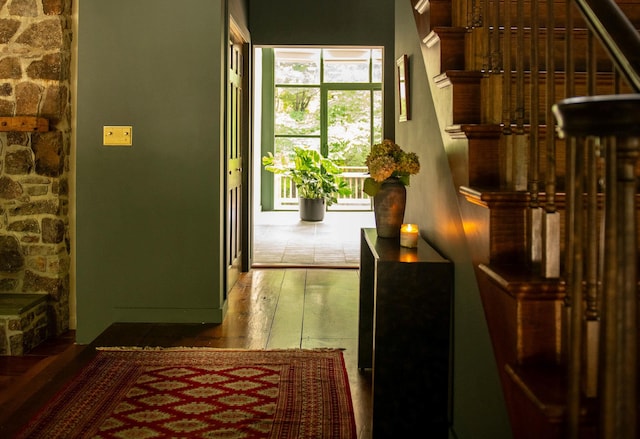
388 160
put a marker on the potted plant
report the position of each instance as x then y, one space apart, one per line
316 179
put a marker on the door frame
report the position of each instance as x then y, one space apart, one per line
240 36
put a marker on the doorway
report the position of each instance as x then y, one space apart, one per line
330 100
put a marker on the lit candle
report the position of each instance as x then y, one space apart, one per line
409 235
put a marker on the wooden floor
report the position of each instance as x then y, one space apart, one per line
268 308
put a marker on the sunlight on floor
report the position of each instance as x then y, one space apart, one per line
281 238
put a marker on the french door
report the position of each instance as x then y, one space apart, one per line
235 102
325 99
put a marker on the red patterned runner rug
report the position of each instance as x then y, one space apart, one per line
202 393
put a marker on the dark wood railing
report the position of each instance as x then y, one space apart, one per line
600 273
603 283
617 34
599 142
577 63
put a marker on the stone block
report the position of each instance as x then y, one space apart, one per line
10 189
8 28
24 8
49 67
10 68
53 230
27 226
55 103
46 35
23 322
50 207
7 107
6 89
11 257
19 162
28 97
55 7
18 138
48 151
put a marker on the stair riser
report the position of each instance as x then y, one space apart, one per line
579 51
530 328
438 13
631 9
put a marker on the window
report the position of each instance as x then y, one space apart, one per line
329 99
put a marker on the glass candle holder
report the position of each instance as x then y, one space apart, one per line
409 234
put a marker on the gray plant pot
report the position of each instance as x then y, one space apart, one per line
312 209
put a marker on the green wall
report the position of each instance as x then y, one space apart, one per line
478 408
149 217
329 23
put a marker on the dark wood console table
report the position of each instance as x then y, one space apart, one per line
404 335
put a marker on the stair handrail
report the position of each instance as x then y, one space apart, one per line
615 119
617 34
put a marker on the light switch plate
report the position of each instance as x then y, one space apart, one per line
117 136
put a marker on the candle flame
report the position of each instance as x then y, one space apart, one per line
409 227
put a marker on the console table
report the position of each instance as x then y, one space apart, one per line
404 335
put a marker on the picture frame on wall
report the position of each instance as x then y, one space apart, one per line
404 97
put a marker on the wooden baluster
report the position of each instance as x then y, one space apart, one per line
570 145
575 342
592 315
569 56
609 357
486 33
518 111
592 66
592 322
551 220
535 212
506 64
496 58
625 301
520 50
619 397
514 157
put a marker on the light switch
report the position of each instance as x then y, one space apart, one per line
117 136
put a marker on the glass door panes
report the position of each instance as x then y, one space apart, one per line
349 118
376 65
285 145
330 100
347 65
297 111
297 66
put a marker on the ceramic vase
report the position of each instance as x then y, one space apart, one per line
388 206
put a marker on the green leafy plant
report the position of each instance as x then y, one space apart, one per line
388 160
315 176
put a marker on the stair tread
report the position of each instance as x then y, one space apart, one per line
522 282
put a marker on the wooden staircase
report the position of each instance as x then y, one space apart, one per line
511 169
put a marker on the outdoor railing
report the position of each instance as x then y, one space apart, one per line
286 196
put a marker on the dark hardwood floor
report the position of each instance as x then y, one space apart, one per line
268 309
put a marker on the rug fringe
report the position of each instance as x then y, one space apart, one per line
201 348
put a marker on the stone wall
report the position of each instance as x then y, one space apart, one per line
35 59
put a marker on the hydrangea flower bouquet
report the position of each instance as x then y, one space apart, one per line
387 160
